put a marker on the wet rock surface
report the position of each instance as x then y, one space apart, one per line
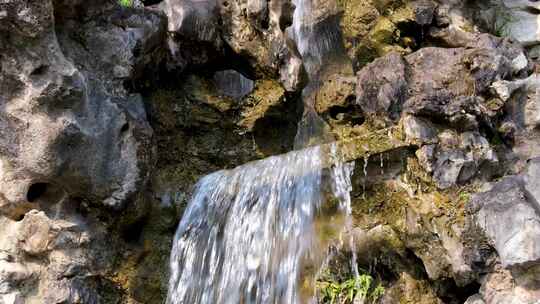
109 114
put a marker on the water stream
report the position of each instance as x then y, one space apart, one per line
249 234
253 234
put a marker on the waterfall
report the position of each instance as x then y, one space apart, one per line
248 234
251 234
316 32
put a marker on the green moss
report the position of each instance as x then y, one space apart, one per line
266 94
126 3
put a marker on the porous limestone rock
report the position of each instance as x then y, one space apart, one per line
508 215
75 143
67 133
382 86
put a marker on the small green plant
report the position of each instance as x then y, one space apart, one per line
126 3
345 292
464 196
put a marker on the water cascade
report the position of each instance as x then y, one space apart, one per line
317 34
251 234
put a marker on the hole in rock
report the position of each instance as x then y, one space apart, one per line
533 10
348 114
449 292
125 128
274 133
40 70
133 232
234 61
286 17
36 191
412 34
151 2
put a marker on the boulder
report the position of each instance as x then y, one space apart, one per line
381 86
69 130
511 221
419 131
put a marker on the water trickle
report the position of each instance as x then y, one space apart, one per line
342 188
364 170
382 163
319 42
248 234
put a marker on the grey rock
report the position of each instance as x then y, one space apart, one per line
534 53
419 131
477 147
72 133
461 158
532 181
452 167
426 157
72 140
511 221
424 12
382 86
517 19
233 84
476 299
193 19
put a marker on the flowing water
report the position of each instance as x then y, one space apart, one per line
317 35
254 234
249 234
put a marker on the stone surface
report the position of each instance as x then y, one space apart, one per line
90 90
511 221
66 131
419 131
382 85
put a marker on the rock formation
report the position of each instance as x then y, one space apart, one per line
109 113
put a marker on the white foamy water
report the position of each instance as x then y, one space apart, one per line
248 234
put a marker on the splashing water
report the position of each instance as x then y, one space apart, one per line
342 188
319 42
248 234
317 36
252 234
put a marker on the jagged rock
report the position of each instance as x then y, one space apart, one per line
424 11
426 157
47 262
510 221
195 20
458 158
499 286
523 110
381 86
532 179
72 138
337 90
505 89
476 299
193 34
516 19
452 167
419 131
87 142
